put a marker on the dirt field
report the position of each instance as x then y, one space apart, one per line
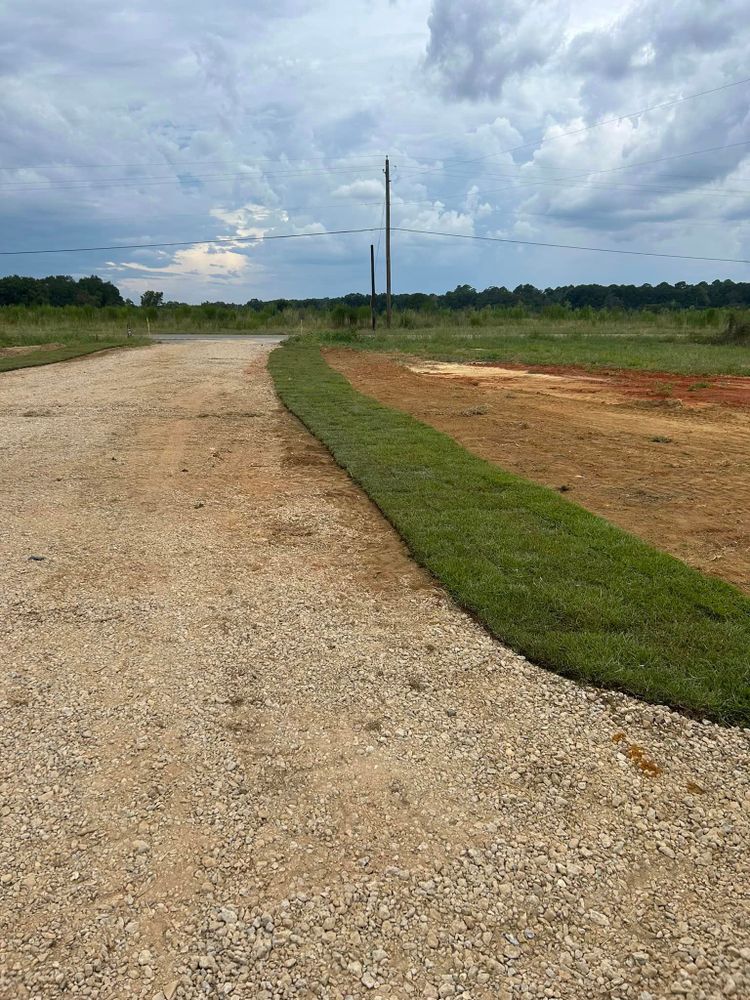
11 352
644 450
249 750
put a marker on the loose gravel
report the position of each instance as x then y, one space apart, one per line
248 749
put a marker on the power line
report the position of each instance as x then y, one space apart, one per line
380 233
562 219
147 181
190 243
126 166
606 170
567 246
725 193
606 121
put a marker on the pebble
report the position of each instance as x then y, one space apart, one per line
186 793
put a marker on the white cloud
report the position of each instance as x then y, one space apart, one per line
175 122
360 189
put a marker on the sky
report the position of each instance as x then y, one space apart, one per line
139 122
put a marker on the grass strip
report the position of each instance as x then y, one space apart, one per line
64 353
566 588
620 346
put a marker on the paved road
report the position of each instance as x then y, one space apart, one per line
249 750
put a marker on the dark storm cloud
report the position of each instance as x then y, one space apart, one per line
658 40
142 122
476 45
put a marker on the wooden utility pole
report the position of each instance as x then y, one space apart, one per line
387 243
372 286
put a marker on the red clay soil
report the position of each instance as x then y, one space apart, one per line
675 473
727 390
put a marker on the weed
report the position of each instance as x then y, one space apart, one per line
664 388
737 331
629 343
660 439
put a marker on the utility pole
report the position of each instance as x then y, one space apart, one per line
372 286
387 243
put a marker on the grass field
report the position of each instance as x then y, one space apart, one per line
623 344
48 348
562 586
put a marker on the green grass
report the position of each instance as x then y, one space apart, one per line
565 588
71 349
539 341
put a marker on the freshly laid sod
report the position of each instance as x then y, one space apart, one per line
67 351
565 588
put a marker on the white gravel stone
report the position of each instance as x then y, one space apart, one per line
207 682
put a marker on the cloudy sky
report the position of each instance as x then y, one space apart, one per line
145 122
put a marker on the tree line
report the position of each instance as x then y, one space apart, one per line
58 290
704 295
63 290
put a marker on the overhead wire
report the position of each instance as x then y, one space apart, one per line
569 246
187 179
187 243
605 121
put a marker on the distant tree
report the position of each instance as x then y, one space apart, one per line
152 300
93 291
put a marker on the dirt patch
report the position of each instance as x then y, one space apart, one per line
675 473
689 390
13 352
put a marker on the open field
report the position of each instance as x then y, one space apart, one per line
671 465
32 355
669 346
247 743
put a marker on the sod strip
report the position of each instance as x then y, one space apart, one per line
65 353
554 582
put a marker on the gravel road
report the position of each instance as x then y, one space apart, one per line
249 750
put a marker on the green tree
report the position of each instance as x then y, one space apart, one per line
151 300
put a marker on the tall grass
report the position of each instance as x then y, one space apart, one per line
633 343
52 322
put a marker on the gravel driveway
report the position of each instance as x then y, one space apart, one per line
248 749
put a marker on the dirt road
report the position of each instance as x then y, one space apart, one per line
248 749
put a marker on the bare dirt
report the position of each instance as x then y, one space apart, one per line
672 468
694 391
248 749
12 352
